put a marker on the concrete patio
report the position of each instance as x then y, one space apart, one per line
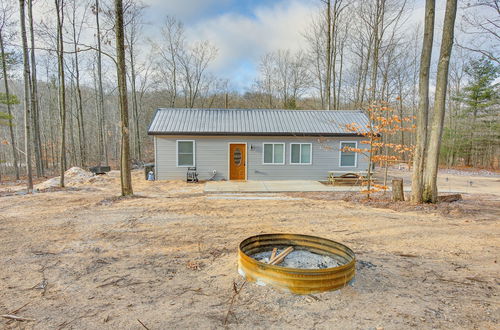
273 186
278 186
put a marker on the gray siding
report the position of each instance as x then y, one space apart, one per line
211 153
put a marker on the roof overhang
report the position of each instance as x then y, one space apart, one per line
254 134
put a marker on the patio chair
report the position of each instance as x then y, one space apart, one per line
192 175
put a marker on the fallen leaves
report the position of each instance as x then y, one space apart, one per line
194 265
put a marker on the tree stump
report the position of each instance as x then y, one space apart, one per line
397 190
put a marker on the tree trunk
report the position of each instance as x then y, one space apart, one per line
35 108
423 104
173 55
52 119
472 128
365 71
62 88
333 57
436 129
135 107
339 87
328 77
126 179
359 79
101 124
79 102
27 91
70 126
379 14
9 109
81 141
398 194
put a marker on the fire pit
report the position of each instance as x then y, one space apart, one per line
314 264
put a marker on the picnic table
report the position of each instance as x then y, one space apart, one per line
347 177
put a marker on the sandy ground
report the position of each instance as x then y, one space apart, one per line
83 259
463 182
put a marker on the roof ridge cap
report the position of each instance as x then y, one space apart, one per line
263 109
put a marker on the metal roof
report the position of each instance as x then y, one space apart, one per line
182 121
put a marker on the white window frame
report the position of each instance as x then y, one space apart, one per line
355 154
273 143
300 154
177 153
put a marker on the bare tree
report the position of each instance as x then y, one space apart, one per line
284 76
133 29
341 45
300 80
59 4
327 30
194 61
103 150
481 28
430 192
377 21
423 104
328 83
315 38
126 178
6 11
76 31
27 96
266 81
338 7
169 51
380 16
34 98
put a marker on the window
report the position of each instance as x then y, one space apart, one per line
300 153
274 153
185 153
348 158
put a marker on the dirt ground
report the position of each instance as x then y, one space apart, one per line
80 258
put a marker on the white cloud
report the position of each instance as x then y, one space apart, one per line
243 39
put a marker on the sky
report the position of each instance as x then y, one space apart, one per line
245 30
242 30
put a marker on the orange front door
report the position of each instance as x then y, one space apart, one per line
237 161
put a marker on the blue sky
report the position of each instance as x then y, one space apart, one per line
191 11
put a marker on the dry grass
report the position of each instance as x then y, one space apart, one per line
168 258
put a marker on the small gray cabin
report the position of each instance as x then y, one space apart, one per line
255 144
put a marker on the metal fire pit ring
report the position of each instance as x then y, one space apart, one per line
296 280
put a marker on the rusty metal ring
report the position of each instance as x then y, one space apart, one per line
296 280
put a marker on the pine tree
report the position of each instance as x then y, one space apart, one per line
4 119
481 99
